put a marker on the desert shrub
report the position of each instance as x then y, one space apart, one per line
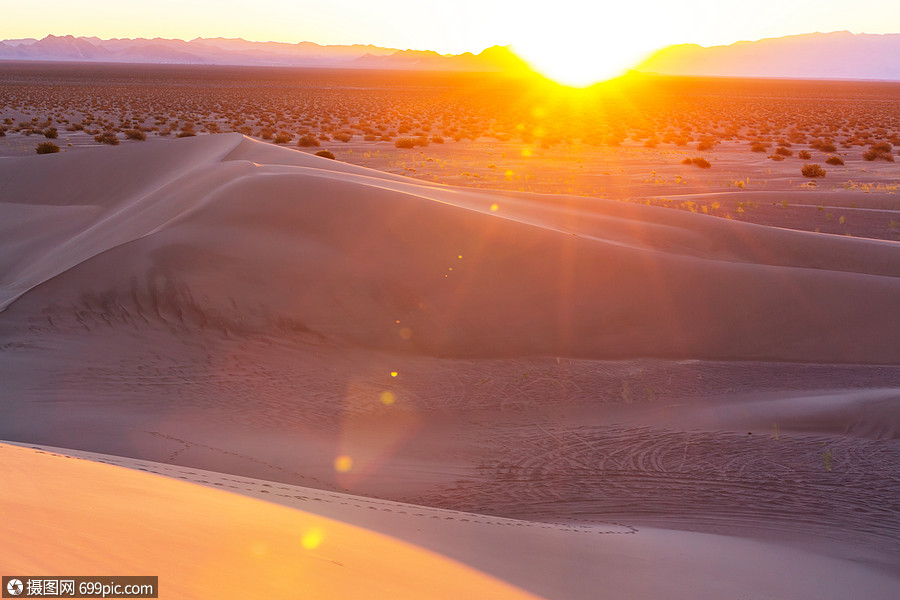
698 161
834 160
308 141
51 133
2 132
824 146
325 154
107 138
812 170
879 151
46 148
186 133
804 155
405 142
705 145
757 147
776 157
135 134
282 137
343 137
437 139
784 151
421 140
370 137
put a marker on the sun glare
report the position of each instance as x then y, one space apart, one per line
577 64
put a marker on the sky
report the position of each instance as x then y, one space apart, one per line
548 34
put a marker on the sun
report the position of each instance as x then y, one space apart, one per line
581 63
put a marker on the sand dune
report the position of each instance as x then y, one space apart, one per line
326 544
221 304
223 233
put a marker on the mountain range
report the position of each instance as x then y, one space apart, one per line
835 55
223 51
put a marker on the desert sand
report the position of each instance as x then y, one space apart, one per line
537 394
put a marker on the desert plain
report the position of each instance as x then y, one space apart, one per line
512 341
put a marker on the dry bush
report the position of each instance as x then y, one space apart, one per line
107 138
812 170
325 154
834 160
51 133
283 137
46 148
781 150
697 161
135 134
758 147
405 142
824 146
804 155
879 151
308 141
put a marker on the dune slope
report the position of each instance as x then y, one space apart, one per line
326 545
204 543
227 234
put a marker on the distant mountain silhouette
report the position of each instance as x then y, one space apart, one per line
836 55
222 51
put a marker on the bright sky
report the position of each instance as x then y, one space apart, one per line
567 38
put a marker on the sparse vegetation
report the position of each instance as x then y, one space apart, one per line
325 154
532 137
308 141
